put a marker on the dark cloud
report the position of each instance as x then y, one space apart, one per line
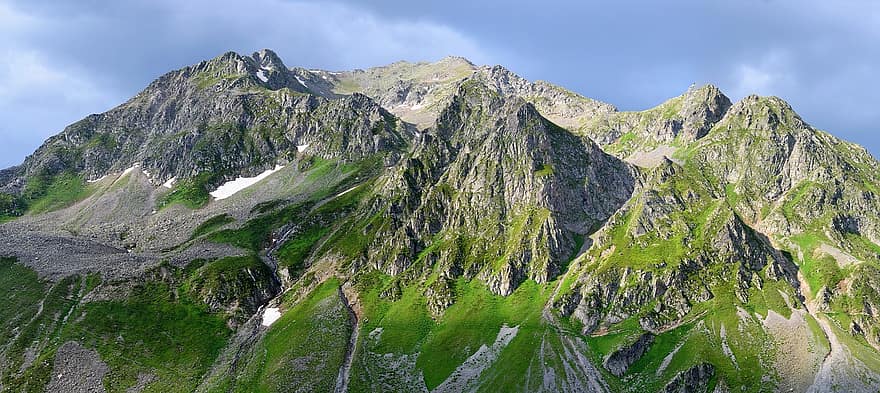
65 59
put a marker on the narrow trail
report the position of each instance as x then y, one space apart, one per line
345 371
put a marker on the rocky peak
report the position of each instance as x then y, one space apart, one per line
764 114
691 115
561 106
456 61
502 161
701 108
229 63
266 58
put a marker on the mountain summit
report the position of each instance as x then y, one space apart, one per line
240 225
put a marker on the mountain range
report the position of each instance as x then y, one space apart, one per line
243 226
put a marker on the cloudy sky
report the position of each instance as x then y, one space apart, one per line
61 60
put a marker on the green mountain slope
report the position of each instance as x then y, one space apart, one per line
243 226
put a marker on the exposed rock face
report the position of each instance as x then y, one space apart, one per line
239 291
616 283
832 173
808 184
492 160
694 380
561 106
679 121
419 92
228 116
406 182
619 361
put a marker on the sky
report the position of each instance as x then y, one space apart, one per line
61 60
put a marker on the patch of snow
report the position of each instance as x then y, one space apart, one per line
346 191
97 180
417 106
270 315
301 81
170 182
262 75
302 148
229 188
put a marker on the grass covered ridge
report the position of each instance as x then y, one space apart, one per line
305 347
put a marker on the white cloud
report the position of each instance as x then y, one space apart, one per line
37 97
341 34
27 74
49 78
769 75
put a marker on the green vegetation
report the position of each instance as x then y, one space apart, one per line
192 193
820 270
798 194
294 252
545 171
708 329
153 331
32 323
105 141
50 192
11 206
228 282
161 325
212 76
318 207
22 292
406 319
212 224
474 320
255 232
305 347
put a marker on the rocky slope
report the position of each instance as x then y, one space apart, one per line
240 225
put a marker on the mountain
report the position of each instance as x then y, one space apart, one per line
242 226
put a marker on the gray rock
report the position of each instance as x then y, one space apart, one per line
619 361
694 380
77 370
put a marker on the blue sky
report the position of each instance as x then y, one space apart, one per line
62 60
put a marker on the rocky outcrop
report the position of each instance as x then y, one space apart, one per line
492 160
678 121
419 92
563 107
619 361
236 286
667 249
449 172
230 116
694 380
808 171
